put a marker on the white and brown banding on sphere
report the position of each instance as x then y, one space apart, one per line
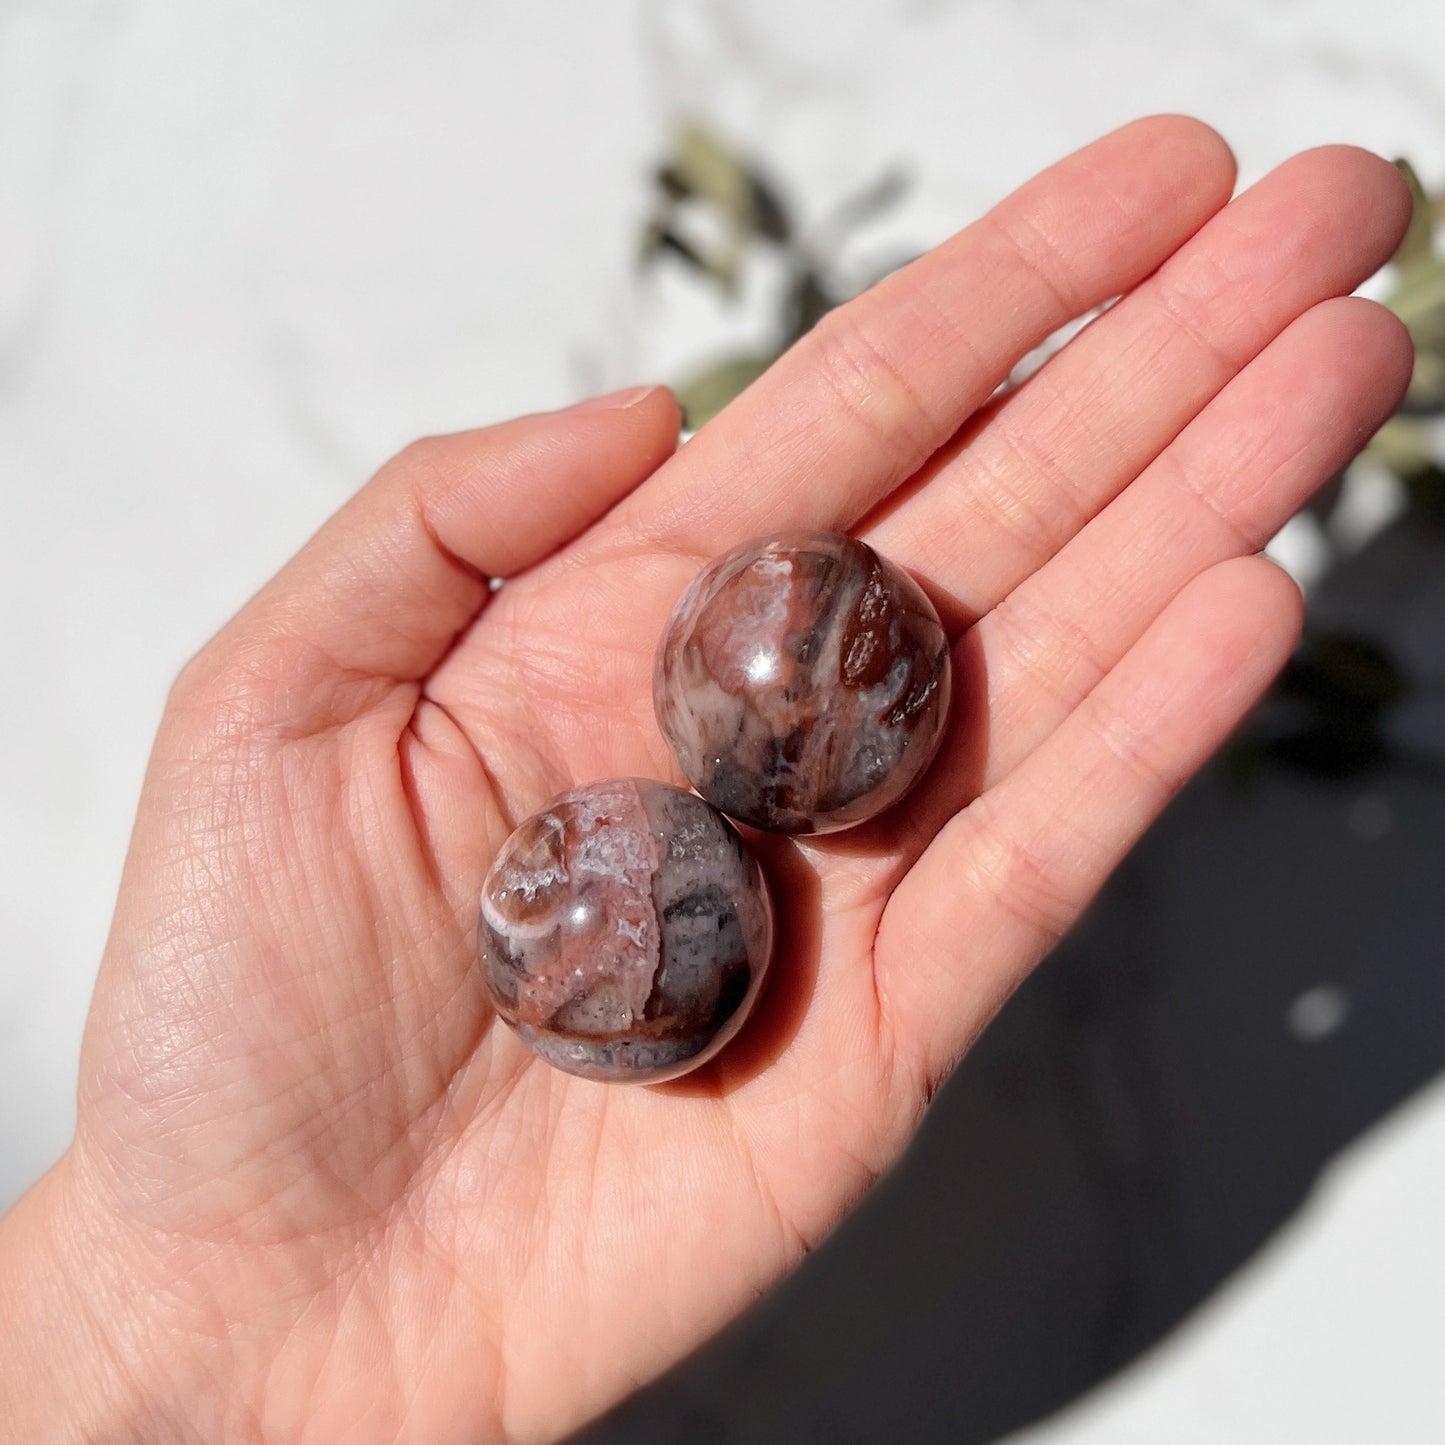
625 931
803 682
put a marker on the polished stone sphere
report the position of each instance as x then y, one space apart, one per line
625 931
803 682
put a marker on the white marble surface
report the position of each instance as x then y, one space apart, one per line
247 249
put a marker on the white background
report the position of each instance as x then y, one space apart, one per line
249 249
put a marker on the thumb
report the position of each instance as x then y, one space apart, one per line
377 595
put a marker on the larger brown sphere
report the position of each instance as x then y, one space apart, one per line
803 682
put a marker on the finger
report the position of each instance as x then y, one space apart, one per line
1007 493
879 384
1292 420
376 597
1003 881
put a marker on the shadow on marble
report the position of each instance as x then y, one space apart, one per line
1258 985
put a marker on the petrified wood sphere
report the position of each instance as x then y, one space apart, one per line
803 682
625 931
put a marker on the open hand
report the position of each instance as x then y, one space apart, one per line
317 1192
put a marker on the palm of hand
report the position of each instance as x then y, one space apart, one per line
294 1092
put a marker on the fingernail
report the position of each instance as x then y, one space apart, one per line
614 400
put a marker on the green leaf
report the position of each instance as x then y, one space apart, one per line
1426 393
865 205
808 301
672 183
704 168
720 266
769 215
1419 297
659 240
705 393
709 171
1419 238
1401 444
1427 493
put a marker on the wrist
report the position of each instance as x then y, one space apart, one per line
78 1361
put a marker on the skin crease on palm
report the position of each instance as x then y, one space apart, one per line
315 1193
